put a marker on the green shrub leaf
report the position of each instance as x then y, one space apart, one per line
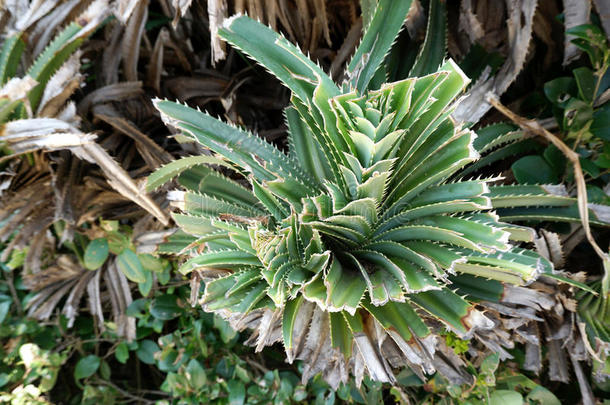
86 366
130 265
534 170
96 253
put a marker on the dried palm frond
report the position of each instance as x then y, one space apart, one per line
520 15
57 177
310 23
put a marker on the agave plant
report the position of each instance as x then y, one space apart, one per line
357 247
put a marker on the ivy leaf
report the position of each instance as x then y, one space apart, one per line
105 370
585 80
543 396
555 159
226 332
559 91
152 263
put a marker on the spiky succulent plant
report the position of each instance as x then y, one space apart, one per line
351 247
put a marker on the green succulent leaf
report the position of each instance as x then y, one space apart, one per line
10 54
51 59
379 36
175 168
432 52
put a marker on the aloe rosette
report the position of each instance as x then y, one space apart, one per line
361 244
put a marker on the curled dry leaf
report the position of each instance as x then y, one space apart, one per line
123 9
548 244
155 66
131 40
180 9
152 153
112 92
217 12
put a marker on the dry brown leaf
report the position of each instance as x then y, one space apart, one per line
120 296
92 17
217 12
469 23
112 55
185 88
36 10
119 179
180 9
519 24
415 21
347 49
123 9
548 245
95 300
53 134
17 88
155 65
154 155
132 37
113 92
26 135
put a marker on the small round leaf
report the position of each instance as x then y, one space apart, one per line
165 307
122 353
96 254
130 265
146 351
86 367
533 170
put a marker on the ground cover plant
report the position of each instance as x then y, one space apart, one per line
376 207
